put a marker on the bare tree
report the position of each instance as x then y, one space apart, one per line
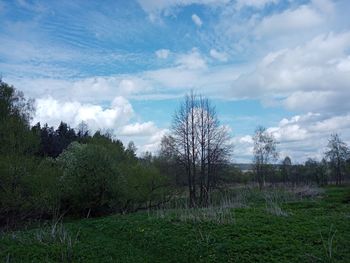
201 143
83 130
337 154
264 152
215 147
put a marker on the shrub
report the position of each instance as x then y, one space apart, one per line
144 187
89 179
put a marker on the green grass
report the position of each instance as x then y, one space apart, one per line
311 230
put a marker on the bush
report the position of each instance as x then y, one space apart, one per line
89 179
45 192
144 187
14 191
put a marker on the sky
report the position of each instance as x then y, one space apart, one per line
126 66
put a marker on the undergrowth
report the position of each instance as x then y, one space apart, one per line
239 228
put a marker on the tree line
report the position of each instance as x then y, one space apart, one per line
333 168
47 172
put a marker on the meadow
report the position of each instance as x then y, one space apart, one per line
241 225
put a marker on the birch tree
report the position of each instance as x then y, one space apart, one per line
264 152
337 153
201 143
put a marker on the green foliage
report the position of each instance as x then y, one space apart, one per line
17 144
233 175
45 192
14 204
89 179
15 113
99 178
29 189
96 176
313 229
144 186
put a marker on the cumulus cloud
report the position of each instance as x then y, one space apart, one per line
310 77
309 73
191 60
313 76
116 117
300 137
107 87
197 20
91 89
305 136
139 129
153 144
286 25
52 111
290 21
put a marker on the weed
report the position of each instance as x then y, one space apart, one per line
218 215
273 204
328 244
218 233
53 234
306 191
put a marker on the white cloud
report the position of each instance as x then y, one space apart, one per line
139 129
306 136
299 71
163 53
153 144
313 76
246 139
254 3
243 149
310 77
313 100
52 111
103 88
300 137
221 56
178 80
283 26
289 21
192 60
116 117
88 90
197 20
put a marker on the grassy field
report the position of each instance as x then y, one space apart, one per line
254 227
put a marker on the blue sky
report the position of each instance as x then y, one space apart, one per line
126 65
